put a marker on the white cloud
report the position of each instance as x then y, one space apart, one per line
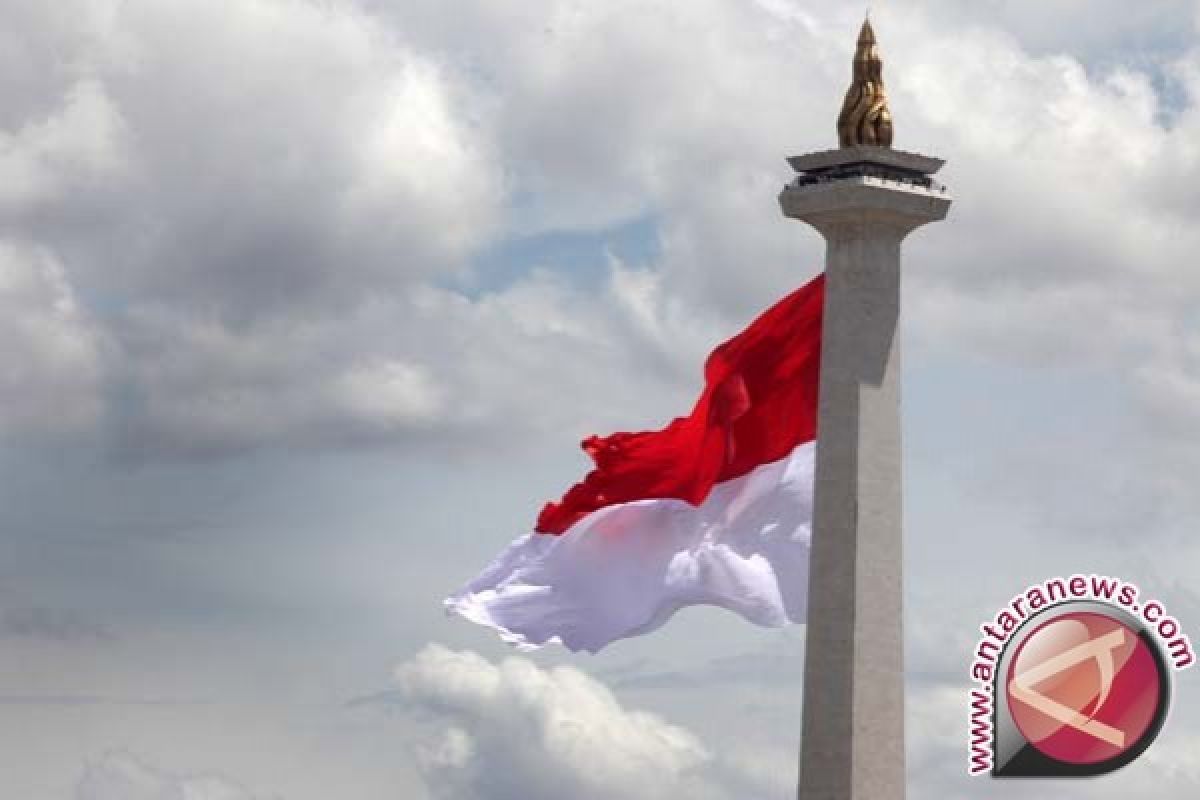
289 151
1110 30
121 776
80 142
389 392
50 352
513 730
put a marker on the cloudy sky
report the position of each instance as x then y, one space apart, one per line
305 304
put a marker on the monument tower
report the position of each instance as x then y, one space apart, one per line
864 198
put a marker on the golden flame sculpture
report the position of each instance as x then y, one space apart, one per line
865 118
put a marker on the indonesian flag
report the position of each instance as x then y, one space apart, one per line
715 508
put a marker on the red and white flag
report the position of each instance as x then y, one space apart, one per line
715 508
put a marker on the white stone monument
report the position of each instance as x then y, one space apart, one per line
864 198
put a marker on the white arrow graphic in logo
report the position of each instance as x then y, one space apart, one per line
1021 686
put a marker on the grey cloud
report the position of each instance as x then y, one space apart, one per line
255 251
77 700
51 624
210 185
434 366
264 252
1110 31
122 776
779 662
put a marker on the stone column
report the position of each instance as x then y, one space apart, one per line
853 736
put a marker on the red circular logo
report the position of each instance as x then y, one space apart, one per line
1084 688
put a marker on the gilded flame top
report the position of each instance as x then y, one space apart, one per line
865 118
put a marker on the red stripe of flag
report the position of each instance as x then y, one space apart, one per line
759 403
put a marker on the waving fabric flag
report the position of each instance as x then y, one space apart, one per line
715 508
